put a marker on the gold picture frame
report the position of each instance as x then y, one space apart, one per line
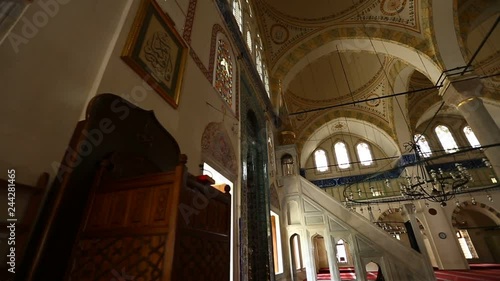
156 52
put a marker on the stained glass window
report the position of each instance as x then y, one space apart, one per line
364 154
320 160
425 149
224 72
238 14
446 139
342 155
471 137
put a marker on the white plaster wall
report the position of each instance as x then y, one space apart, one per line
46 82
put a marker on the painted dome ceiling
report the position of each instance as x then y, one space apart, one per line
333 59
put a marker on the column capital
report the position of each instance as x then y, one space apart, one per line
460 92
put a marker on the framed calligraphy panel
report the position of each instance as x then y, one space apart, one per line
156 52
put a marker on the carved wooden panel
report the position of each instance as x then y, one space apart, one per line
119 207
124 258
201 256
140 207
160 204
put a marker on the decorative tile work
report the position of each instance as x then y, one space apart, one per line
255 195
399 13
223 81
213 44
275 199
188 25
200 65
216 144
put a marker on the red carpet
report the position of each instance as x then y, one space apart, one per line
477 272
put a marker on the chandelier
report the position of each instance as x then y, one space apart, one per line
434 185
435 179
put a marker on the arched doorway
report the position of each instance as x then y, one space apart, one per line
320 254
476 229
345 260
374 272
298 268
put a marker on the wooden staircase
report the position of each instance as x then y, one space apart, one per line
28 201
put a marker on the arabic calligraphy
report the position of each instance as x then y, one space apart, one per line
158 55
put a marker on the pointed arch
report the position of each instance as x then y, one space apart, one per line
216 145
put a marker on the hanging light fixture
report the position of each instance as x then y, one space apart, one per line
434 185
422 179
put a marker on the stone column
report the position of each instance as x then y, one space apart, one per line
441 235
465 95
410 216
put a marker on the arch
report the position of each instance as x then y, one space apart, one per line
473 223
289 69
445 28
320 253
296 252
287 165
356 127
374 271
216 145
479 207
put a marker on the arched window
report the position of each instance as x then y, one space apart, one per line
446 139
224 72
320 160
249 41
425 149
364 154
249 9
342 155
238 14
266 82
471 137
258 63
